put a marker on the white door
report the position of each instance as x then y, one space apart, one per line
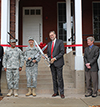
32 24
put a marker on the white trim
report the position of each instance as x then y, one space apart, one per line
58 21
79 64
32 8
68 19
8 37
95 1
4 23
17 20
41 19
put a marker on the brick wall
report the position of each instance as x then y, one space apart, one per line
12 16
87 19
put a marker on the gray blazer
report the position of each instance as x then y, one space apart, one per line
91 57
58 52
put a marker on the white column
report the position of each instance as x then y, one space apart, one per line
68 20
8 21
79 65
4 7
17 19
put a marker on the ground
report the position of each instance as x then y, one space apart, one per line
47 101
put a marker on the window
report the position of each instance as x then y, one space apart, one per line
27 12
38 12
96 21
62 31
32 12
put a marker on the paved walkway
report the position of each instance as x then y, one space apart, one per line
47 101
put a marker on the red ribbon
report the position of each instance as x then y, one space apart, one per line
42 45
16 45
77 45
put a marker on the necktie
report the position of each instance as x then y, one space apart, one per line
89 49
52 47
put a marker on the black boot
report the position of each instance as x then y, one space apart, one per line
0 94
88 95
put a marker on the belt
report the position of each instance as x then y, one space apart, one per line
12 68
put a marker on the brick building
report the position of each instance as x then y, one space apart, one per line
73 20
26 18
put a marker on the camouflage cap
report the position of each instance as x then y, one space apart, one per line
30 38
13 40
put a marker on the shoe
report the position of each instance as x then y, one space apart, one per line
29 92
62 96
10 93
34 92
88 95
1 94
15 93
94 95
54 95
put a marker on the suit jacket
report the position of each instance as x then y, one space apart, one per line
58 52
91 57
1 55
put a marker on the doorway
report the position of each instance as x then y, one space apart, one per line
32 24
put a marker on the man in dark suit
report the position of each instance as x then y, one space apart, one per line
91 55
1 57
55 52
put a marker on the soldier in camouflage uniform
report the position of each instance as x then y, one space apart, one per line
31 71
13 61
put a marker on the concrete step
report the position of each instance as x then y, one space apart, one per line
22 77
45 80
49 73
44 72
43 69
41 65
41 86
46 86
40 81
45 91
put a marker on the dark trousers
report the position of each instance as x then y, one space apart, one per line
57 77
92 78
0 78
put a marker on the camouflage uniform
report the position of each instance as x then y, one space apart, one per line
13 59
31 72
